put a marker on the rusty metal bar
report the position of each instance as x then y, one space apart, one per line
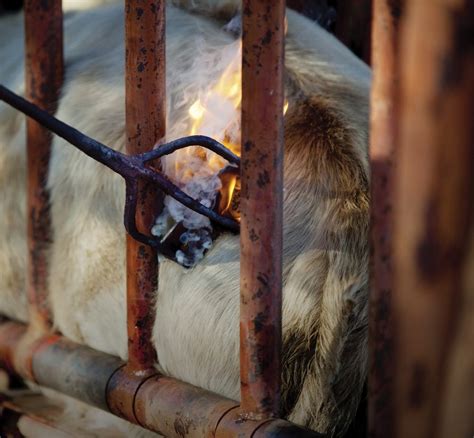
74 369
145 127
433 219
43 79
261 207
159 403
386 15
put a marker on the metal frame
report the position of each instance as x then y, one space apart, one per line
422 149
385 34
415 228
135 391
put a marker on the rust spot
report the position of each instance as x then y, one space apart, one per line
181 425
262 317
396 9
263 179
248 146
455 64
253 236
433 255
139 12
417 391
267 38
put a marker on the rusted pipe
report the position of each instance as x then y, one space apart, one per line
11 334
261 207
159 403
433 218
236 423
74 369
145 127
180 409
386 15
43 79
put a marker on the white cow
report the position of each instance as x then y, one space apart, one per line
197 311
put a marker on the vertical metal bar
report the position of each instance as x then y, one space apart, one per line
261 205
145 126
433 215
43 78
382 154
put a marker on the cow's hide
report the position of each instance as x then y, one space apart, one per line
197 310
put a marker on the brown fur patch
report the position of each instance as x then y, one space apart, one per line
313 123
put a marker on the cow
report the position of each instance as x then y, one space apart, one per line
196 329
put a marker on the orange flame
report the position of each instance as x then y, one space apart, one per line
217 115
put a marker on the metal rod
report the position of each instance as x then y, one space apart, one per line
434 222
94 149
130 167
43 79
261 207
382 155
161 404
192 140
145 126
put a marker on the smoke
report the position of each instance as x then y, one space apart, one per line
209 105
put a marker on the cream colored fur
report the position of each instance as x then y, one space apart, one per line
196 328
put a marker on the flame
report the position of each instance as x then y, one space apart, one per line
217 114
196 111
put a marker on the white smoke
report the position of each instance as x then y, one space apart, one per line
194 169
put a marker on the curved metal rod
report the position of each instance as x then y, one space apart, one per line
130 167
192 140
131 189
129 220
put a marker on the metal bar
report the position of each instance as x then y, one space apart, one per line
434 219
145 127
43 79
386 14
103 153
131 167
73 369
261 207
161 404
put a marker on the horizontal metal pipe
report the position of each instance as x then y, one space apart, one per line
73 369
10 335
159 403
